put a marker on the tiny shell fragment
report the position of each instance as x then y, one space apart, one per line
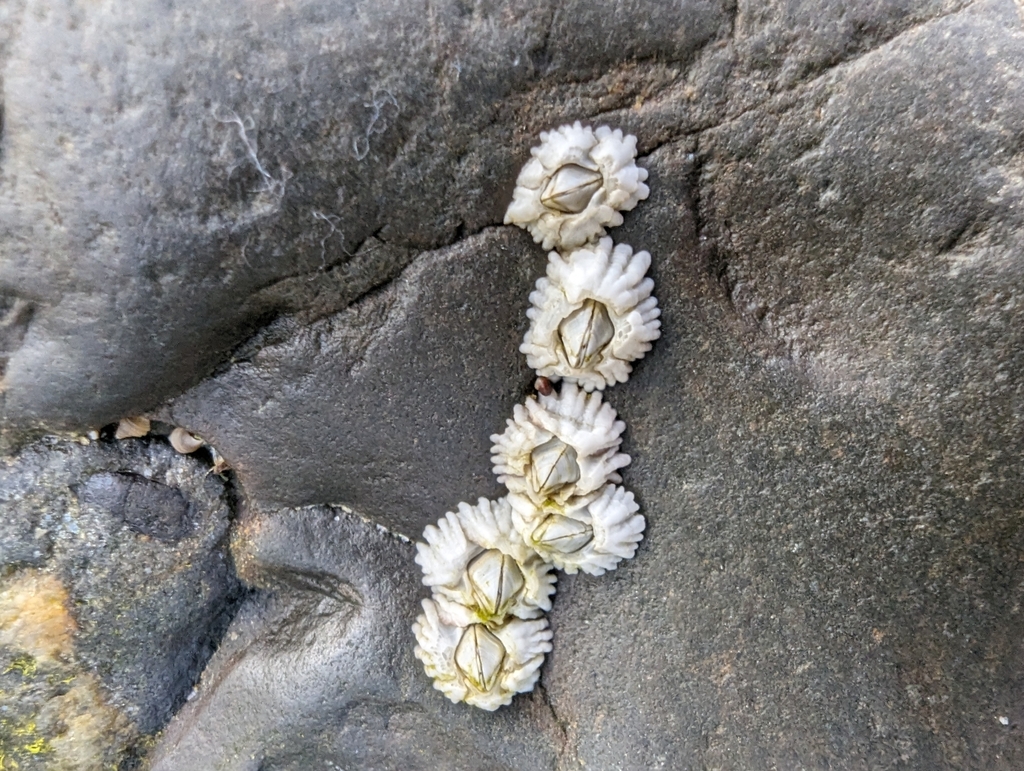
184 442
131 428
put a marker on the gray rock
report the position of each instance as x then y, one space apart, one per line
245 157
290 217
138 535
398 394
327 647
147 507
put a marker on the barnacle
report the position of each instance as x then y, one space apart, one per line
559 447
591 533
575 185
592 315
481 665
482 636
476 558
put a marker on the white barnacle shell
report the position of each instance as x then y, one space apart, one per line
592 533
592 315
575 185
481 665
475 557
559 446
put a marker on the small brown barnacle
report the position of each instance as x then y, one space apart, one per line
543 386
570 188
131 428
185 442
553 467
496 581
479 657
562 534
585 333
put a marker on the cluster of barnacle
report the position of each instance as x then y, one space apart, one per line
482 636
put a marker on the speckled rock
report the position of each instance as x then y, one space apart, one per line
279 228
136 537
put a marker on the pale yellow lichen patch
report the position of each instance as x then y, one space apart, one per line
34 616
87 723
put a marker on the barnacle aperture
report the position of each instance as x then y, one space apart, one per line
553 467
571 188
585 333
561 534
479 656
496 582
576 184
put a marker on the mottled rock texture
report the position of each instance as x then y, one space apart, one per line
278 225
122 549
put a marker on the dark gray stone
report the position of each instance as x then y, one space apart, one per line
147 507
826 441
397 395
317 669
138 535
178 175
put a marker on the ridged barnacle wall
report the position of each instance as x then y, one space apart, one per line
482 636
576 185
592 315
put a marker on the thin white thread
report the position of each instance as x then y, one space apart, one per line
378 121
332 221
270 184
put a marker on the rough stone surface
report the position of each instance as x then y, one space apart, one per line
239 163
54 714
278 226
138 536
398 395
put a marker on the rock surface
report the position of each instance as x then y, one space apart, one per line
279 228
125 545
327 647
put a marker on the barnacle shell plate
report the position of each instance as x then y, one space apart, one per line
475 557
482 666
575 185
592 315
592 533
559 446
